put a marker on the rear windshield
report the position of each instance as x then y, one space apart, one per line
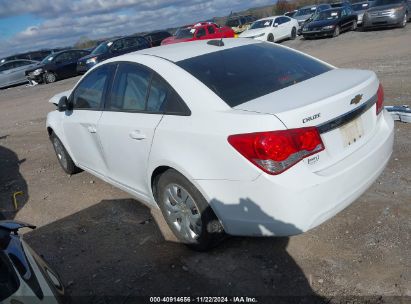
240 74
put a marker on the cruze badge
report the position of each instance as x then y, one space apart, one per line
356 99
307 119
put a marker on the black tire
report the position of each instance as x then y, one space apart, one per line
337 31
211 231
404 21
63 157
49 77
293 33
270 38
354 26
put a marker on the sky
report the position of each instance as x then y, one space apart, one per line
36 24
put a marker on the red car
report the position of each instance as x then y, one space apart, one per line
202 30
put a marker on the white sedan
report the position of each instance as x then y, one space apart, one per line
272 29
235 135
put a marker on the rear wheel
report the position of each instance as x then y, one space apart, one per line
270 38
49 77
187 212
63 157
336 31
293 33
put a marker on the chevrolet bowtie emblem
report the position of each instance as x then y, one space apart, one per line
356 99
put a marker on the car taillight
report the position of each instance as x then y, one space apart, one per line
276 151
380 99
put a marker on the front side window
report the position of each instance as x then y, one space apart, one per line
130 88
264 68
89 94
200 32
210 29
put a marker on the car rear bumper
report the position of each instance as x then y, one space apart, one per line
298 199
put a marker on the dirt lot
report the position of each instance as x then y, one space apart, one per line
103 243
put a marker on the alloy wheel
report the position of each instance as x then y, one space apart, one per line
182 211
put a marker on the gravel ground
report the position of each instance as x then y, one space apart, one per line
104 243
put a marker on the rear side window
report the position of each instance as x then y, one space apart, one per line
240 74
130 88
163 99
89 93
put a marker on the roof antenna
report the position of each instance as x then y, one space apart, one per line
216 42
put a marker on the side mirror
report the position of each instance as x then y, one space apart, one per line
275 24
64 104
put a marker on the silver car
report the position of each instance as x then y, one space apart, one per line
13 72
384 13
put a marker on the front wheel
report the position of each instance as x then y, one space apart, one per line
293 33
270 38
63 157
187 212
336 31
49 77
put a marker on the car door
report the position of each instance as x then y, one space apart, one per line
16 74
80 124
280 29
127 127
117 48
66 64
212 31
286 26
345 20
5 71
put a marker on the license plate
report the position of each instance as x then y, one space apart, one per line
352 132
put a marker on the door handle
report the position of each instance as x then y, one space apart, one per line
92 129
136 134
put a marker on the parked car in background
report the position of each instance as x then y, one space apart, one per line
13 72
330 23
240 23
340 4
155 38
112 48
305 13
24 276
291 14
360 8
199 31
242 136
387 13
272 29
56 66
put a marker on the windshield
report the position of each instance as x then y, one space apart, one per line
305 11
185 33
385 2
264 68
48 59
327 15
261 24
102 48
359 6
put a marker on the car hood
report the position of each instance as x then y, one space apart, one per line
89 56
321 23
174 39
303 17
35 67
253 32
384 7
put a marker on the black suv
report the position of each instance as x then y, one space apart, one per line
112 48
155 38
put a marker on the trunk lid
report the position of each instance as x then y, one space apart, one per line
341 103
